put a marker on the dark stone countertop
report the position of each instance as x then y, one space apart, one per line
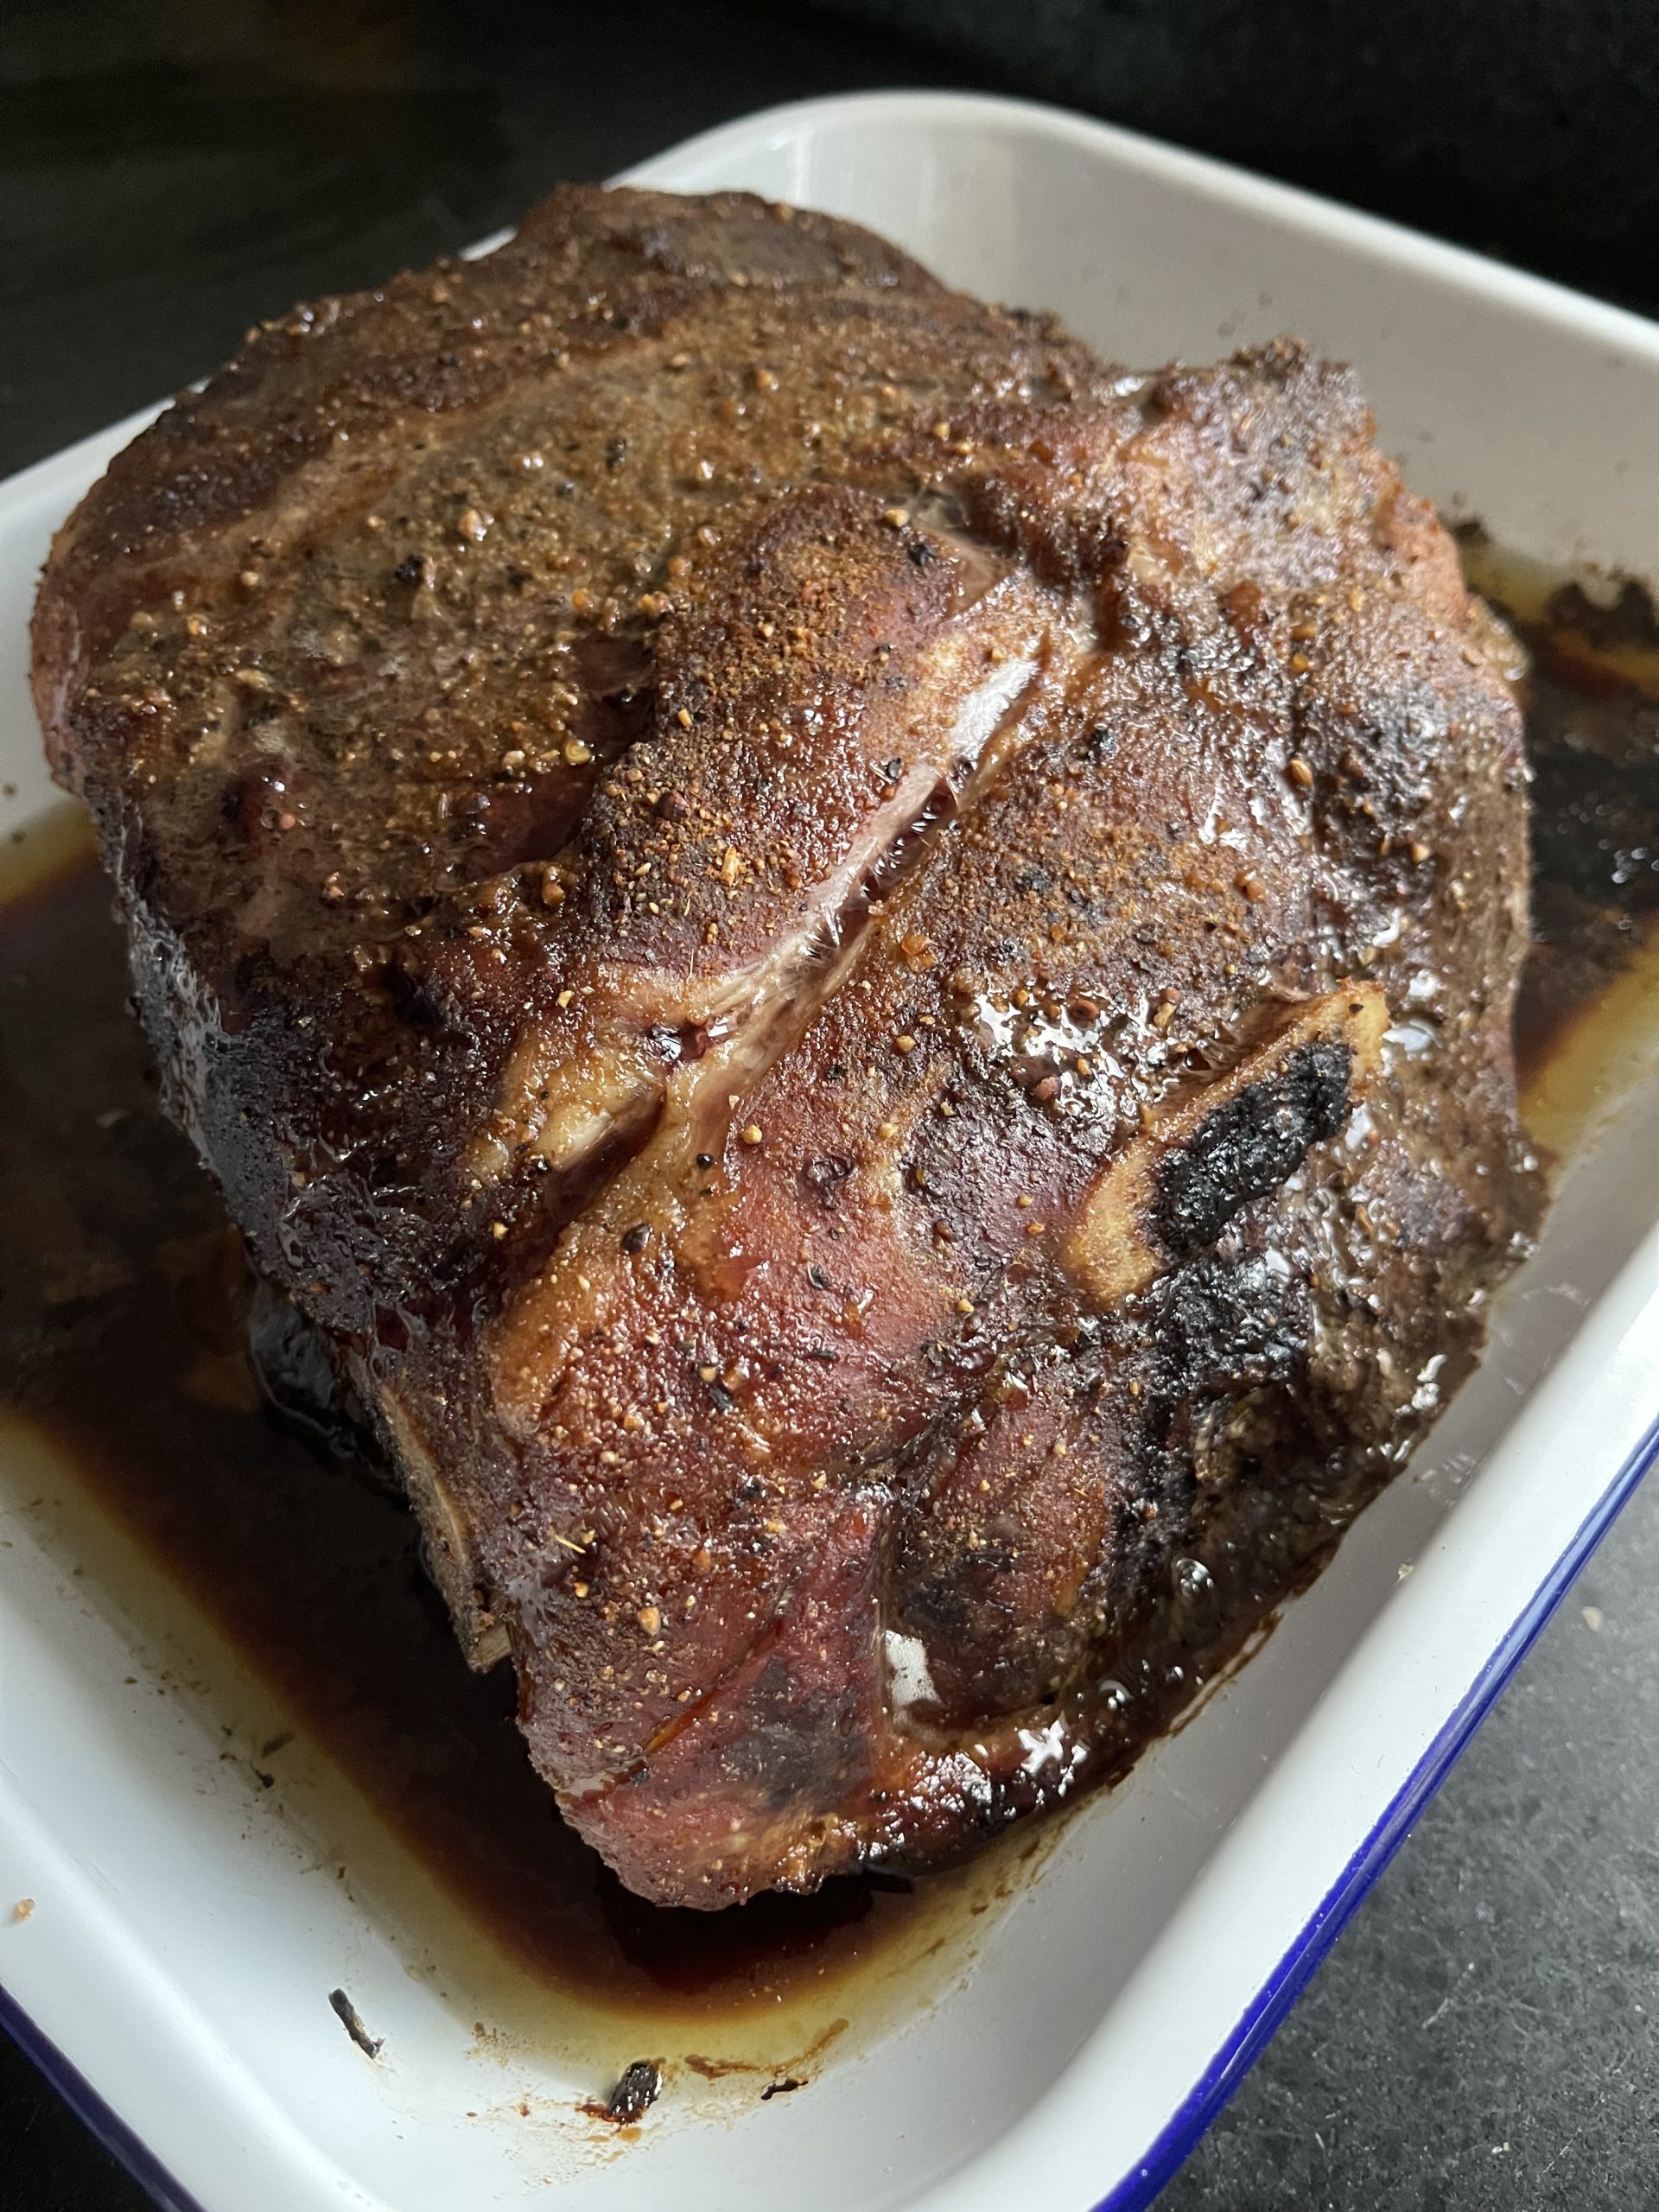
1482 2036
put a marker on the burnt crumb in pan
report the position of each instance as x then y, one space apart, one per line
352 2021
637 2090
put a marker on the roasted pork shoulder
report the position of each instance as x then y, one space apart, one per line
855 968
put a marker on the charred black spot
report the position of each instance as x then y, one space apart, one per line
1249 1146
1218 1327
390 1327
825 1173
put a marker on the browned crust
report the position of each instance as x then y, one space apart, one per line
686 799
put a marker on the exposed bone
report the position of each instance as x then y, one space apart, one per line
1119 1244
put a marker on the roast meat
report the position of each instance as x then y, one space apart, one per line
856 967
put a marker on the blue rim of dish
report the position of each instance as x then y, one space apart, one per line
83 2100
1254 2030
1257 2027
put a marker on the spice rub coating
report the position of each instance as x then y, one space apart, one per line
857 968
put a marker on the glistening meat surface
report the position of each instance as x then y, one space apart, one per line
856 968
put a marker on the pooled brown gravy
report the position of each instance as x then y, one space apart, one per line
122 1317
1592 699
